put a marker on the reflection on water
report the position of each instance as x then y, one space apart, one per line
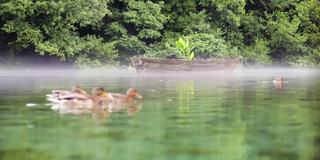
98 112
205 116
185 94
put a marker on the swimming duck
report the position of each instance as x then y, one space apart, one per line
77 99
278 80
130 96
76 91
116 102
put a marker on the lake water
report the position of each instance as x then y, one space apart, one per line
224 116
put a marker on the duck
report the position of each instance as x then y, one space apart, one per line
278 80
131 95
117 102
77 98
57 95
120 102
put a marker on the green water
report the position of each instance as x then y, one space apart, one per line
195 116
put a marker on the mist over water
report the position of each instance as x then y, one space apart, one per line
130 72
184 115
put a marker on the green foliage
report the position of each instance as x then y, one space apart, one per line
131 43
146 17
193 23
96 32
258 51
51 26
95 52
185 48
212 45
285 38
204 45
166 48
116 30
228 11
313 59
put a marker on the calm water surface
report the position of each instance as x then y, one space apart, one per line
222 116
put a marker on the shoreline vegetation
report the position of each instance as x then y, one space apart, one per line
95 33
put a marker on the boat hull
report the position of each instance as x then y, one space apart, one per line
148 64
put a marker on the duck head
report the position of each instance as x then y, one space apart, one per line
132 93
99 95
99 91
78 89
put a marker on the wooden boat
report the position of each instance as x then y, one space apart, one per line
148 64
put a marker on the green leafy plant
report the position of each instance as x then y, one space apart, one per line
186 50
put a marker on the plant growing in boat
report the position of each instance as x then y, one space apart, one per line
186 50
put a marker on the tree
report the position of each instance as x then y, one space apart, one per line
52 27
138 24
